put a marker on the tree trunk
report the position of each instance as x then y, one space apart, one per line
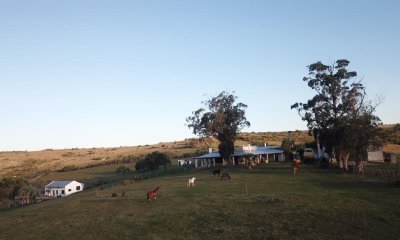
343 157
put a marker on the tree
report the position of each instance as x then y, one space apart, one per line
11 187
223 120
153 161
338 115
287 146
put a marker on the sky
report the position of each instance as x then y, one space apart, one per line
98 73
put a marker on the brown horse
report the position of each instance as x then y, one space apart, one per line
152 194
217 172
296 166
225 176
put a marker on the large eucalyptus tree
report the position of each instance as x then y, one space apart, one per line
339 116
223 119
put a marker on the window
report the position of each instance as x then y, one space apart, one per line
78 188
69 190
57 192
62 192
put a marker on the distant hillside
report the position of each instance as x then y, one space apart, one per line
31 164
274 138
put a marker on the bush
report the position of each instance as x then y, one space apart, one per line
324 163
68 168
126 182
138 178
153 161
114 194
123 170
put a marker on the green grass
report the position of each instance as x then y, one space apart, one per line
89 176
314 205
389 166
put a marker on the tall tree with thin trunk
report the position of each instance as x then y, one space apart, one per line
223 119
338 115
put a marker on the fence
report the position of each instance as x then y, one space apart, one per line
389 174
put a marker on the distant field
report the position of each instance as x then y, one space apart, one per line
36 164
275 205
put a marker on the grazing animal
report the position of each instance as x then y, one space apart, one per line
152 194
296 166
225 176
217 172
190 182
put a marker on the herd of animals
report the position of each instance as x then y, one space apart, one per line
152 195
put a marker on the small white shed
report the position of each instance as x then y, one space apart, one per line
62 188
184 162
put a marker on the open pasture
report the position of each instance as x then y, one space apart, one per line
267 202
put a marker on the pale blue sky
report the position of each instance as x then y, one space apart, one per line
124 73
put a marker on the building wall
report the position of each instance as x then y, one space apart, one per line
393 158
53 192
375 156
72 188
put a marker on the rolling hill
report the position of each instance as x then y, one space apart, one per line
33 164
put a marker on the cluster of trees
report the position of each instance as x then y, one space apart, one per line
339 116
153 161
11 187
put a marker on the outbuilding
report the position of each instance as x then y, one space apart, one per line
182 162
62 188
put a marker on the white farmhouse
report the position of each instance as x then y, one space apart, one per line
258 154
62 188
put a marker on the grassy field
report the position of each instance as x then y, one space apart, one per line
263 203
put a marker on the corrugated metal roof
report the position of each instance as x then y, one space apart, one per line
240 152
210 155
58 184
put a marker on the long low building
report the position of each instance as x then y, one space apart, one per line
242 156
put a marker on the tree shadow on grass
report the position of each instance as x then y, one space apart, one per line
350 182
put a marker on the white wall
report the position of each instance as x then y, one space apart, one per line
375 156
73 187
53 192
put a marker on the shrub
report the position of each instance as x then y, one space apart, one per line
126 182
68 168
68 154
324 163
114 195
123 170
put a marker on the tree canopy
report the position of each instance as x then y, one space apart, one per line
153 161
222 119
339 116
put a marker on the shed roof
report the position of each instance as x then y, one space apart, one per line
58 184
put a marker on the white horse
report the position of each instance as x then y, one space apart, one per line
190 182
